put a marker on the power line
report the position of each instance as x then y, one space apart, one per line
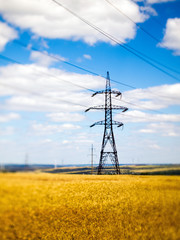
149 34
77 85
117 41
78 67
145 108
54 57
138 117
149 119
71 64
48 74
145 31
80 86
35 93
101 31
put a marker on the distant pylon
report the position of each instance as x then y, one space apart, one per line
92 155
108 127
26 160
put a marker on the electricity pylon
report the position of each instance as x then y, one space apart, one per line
108 127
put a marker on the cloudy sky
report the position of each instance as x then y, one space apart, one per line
55 53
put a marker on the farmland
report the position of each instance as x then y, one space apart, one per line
58 206
173 169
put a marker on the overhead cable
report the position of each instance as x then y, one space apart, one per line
36 93
77 85
117 41
78 67
145 31
71 64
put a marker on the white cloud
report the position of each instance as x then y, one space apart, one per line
47 129
81 138
154 146
7 34
9 130
8 117
33 88
37 88
43 59
86 56
139 116
65 142
65 117
171 38
47 19
149 10
47 140
44 43
158 1
146 130
83 141
70 126
163 129
78 141
155 98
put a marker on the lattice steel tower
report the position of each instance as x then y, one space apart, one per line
108 127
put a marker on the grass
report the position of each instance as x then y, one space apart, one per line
57 206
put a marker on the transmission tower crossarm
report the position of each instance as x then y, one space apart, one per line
119 124
119 108
100 107
98 123
118 93
98 92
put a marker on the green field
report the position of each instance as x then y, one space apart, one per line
57 206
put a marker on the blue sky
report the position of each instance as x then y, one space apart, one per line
42 99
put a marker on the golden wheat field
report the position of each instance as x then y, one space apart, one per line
47 206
